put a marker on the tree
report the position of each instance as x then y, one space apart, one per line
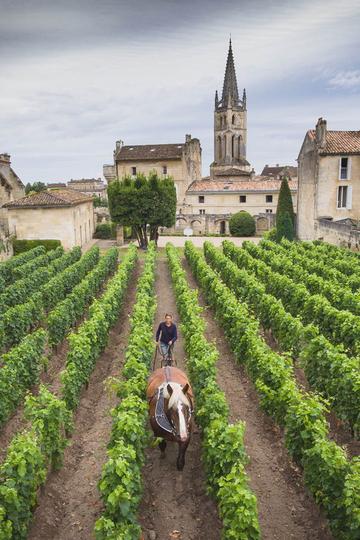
285 203
242 224
36 187
99 201
284 227
143 204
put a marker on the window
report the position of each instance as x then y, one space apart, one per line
269 198
242 198
344 197
164 169
133 171
202 211
268 210
201 199
344 173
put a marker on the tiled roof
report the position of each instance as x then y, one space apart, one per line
257 183
50 199
340 142
279 169
150 151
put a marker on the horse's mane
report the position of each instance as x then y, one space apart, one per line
176 396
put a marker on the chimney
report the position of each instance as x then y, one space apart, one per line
320 132
119 145
187 138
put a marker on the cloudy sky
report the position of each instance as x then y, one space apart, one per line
77 76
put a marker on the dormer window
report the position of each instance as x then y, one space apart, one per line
344 168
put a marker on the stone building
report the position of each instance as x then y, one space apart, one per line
181 161
329 185
232 185
89 186
278 171
206 204
11 188
63 215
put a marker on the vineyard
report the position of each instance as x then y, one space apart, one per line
269 336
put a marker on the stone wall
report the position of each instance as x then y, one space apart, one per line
216 223
340 234
73 226
229 203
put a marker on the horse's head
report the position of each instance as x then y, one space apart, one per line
179 410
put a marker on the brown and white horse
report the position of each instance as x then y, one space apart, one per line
170 408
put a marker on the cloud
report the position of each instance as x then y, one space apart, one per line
77 76
346 79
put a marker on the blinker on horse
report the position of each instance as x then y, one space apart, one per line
170 408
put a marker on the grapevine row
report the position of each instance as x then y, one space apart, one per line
19 320
320 268
23 363
224 454
18 292
7 268
335 260
328 369
327 472
33 452
340 326
121 484
339 296
92 335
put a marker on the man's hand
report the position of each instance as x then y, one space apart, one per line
170 342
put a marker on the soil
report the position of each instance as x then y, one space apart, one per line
69 503
286 508
175 504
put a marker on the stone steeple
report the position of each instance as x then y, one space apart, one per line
230 88
230 125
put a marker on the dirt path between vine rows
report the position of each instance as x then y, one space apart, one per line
176 501
69 504
286 509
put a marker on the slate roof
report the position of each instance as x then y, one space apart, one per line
149 151
276 171
339 142
257 183
50 199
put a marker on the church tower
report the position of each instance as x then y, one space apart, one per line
230 127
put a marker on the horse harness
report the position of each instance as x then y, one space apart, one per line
161 417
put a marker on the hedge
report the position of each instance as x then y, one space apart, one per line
242 224
21 246
105 231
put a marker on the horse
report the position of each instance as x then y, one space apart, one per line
171 401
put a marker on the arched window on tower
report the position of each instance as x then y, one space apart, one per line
240 146
233 119
219 147
233 146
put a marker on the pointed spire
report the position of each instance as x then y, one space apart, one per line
244 98
216 99
230 85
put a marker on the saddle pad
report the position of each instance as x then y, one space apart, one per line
160 416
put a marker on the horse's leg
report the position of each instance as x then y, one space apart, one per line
181 455
162 446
